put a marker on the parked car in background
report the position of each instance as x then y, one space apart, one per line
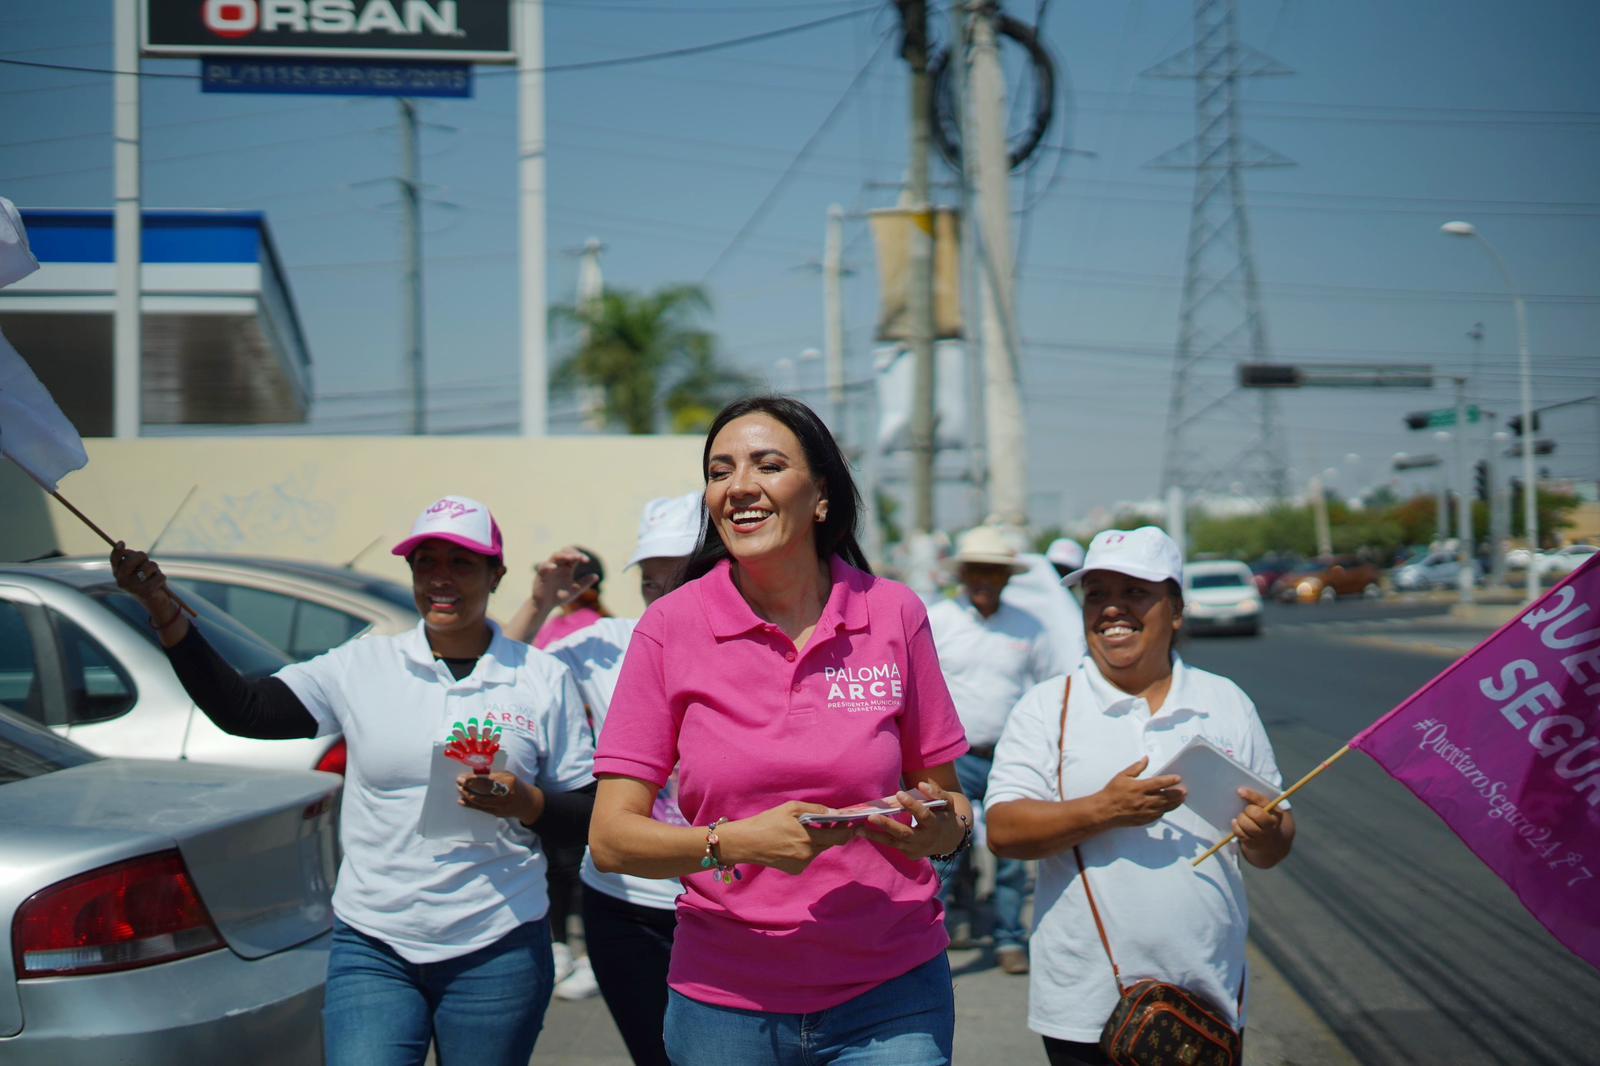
1220 596
1272 566
1433 570
79 656
1325 580
1564 561
159 912
303 609
1518 558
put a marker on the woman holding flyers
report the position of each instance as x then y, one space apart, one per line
434 940
785 680
1066 790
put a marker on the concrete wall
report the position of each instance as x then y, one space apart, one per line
328 499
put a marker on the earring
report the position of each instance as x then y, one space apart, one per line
822 511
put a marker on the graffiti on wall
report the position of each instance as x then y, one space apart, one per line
274 519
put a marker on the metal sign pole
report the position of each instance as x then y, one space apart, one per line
127 346
529 28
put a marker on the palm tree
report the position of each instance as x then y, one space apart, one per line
646 351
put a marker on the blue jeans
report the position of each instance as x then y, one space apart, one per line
483 1009
1010 875
909 1021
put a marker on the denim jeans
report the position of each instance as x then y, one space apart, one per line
481 1009
909 1021
1010 875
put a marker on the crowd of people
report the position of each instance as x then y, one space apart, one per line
761 796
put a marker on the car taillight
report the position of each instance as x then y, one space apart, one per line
334 759
130 914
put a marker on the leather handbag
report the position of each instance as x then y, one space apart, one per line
1155 1023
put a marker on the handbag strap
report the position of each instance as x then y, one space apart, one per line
1083 875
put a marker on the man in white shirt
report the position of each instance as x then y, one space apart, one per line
991 653
1039 592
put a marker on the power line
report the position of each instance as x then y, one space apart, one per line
789 171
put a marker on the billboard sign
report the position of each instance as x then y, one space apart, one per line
477 31
343 77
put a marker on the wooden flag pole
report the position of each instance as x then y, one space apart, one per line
1296 787
102 534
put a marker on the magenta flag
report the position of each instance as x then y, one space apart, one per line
1505 747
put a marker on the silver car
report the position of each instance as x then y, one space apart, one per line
303 609
78 655
160 912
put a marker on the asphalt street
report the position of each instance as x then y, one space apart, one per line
1400 941
1381 940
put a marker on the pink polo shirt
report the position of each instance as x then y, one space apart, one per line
752 723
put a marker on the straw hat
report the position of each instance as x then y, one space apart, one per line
987 546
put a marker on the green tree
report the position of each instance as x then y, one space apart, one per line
645 353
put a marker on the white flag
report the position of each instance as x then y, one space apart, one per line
16 258
34 433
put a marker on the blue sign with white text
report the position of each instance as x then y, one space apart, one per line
350 77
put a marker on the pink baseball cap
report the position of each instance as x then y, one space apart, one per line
458 520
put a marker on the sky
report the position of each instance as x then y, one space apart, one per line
1397 117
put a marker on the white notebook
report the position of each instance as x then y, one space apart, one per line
443 816
1213 781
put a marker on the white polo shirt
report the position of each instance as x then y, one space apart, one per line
1164 918
434 899
594 654
1041 594
988 663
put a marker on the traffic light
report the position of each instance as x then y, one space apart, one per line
1269 376
1419 419
1514 424
1480 481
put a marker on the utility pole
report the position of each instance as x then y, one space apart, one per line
411 205
1499 503
1319 515
833 318
127 331
1463 496
1441 506
919 275
991 166
529 27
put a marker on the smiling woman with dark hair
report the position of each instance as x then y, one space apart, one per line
1067 789
784 679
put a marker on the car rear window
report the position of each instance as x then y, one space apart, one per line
243 650
28 750
1217 581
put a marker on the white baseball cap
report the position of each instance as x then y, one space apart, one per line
1146 553
458 520
669 528
1065 553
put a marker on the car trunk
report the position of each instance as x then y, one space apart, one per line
260 845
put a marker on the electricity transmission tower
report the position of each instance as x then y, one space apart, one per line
1220 323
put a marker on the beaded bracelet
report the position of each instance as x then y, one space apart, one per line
961 845
713 858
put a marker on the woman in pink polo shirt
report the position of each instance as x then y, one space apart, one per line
783 679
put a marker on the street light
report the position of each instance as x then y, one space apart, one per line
1530 487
